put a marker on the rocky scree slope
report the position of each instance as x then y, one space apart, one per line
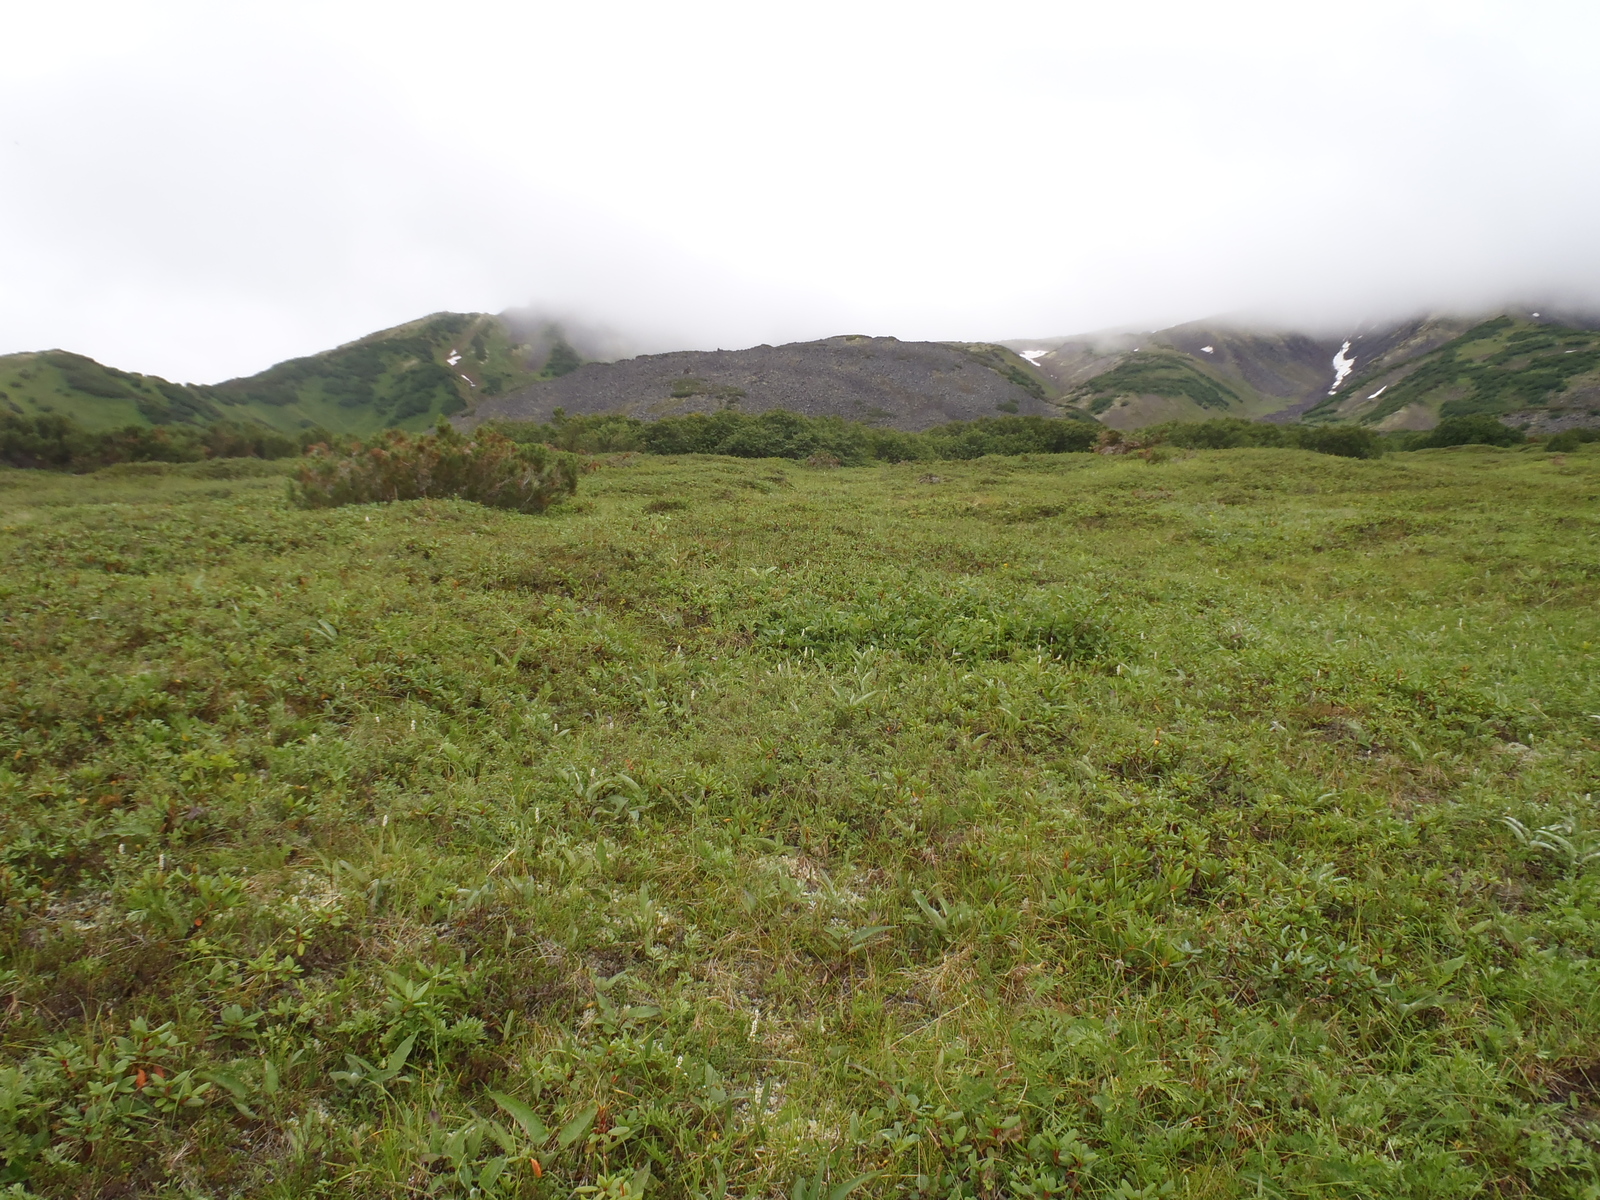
903 385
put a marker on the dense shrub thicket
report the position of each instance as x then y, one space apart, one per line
487 468
1475 430
59 443
781 434
1223 433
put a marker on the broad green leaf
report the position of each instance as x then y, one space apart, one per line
844 1189
522 1115
397 1059
577 1127
491 1171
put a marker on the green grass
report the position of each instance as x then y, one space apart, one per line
1044 826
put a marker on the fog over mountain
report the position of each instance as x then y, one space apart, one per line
199 191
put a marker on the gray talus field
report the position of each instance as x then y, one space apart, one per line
907 385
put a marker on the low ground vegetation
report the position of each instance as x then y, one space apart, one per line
1218 824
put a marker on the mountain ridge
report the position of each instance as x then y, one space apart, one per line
1533 367
905 385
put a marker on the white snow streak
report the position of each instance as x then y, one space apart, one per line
469 381
1379 392
455 357
1343 363
1034 356
1208 349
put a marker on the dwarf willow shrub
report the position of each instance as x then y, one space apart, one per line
489 469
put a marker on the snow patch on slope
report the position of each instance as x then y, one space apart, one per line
1343 363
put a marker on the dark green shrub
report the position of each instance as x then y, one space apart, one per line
1006 435
1475 430
1231 433
563 360
488 468
608 433
60 443
1218 433
1346 441
1568 441
45 441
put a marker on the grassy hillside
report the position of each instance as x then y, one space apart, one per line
1191 372
1498 367
96 396
1154 373
1407 374
1059 826
405 377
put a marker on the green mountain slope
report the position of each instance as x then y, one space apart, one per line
406 377
1159 374
1189 372
1393 375
1503 367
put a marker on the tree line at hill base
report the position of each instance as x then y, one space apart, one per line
57 443
781 434
53 442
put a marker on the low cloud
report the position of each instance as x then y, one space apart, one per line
209 191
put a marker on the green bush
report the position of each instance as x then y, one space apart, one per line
489 469
1475 430
1228 433
1345 441
1571 439
53 442
782 434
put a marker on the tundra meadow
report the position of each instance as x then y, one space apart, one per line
1217 824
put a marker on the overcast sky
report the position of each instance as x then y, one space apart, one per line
201 189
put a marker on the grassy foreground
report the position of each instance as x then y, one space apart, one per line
1044 826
